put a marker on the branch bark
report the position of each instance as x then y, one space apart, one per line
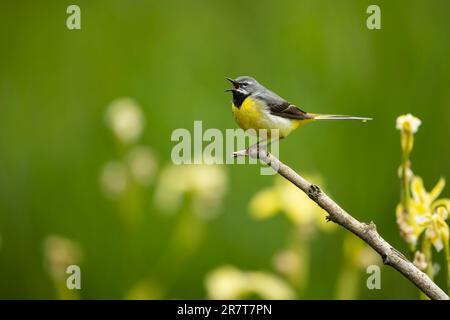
367 232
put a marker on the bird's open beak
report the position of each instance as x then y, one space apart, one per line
234 83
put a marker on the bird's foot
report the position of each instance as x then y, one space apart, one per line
254 151
241 153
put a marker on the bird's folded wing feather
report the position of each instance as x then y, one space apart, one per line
287 110
281 108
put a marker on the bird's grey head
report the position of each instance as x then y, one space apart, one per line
243 87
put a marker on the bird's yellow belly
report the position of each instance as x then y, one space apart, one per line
253 115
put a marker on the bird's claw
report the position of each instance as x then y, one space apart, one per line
240 153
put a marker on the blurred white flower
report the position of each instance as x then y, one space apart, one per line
420 261
358 253
408 123
408 172
287 262
126 119
436 269
287 198
293 263
59 253
228 282
114 178
143 165
205 185
270 287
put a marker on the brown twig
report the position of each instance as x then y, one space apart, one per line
367 232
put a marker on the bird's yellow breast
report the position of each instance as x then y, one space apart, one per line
249 115
253 114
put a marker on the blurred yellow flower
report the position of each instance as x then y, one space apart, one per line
358 253
420 215
204 184
126 119
228 282
59 253
287 262
358 256
269 286
140 167
287 198
143 164
426 213
436 229
114 178
294 263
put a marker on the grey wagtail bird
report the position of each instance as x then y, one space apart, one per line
255 107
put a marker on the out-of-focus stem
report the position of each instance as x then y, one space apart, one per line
426 250
405 179
447 257
348 283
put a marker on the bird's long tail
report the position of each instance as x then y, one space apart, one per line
339 117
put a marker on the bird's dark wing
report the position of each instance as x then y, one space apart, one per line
281 108
287 110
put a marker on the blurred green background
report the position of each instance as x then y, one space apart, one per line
171 58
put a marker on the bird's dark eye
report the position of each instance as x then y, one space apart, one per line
244 84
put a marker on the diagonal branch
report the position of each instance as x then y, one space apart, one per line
367 232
